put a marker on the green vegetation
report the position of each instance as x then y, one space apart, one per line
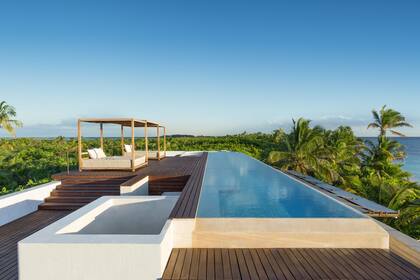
367 168
7 118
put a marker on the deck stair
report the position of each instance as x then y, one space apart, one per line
76 191
158 185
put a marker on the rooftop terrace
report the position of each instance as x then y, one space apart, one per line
185 174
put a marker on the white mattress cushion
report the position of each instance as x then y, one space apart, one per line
92 154
128 148
100 153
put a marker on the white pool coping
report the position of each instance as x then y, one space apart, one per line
59 249
18 204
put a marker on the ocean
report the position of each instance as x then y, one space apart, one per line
412 162
412 148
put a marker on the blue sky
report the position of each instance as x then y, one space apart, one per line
209 67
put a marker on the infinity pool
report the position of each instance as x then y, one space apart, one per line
236 185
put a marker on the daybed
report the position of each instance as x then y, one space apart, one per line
114 162
151 154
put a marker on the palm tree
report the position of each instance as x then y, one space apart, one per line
387 120
300 149
342 164
382 173
7 115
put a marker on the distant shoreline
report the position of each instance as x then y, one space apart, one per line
173 135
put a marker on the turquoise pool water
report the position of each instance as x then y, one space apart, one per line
236 185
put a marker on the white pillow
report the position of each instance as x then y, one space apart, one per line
128 148
92 154
100 153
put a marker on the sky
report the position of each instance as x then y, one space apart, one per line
209 67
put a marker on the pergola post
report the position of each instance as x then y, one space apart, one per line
101 125
79 145
133 149
158 141
146 144
164 140
122 140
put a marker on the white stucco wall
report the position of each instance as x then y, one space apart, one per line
63 251
18 204
141 187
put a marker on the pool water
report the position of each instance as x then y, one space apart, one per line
236 185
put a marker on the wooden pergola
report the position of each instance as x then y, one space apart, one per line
123 122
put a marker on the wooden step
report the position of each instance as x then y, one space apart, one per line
158 190
86 193
162 183
88 187
92 183
60 206
66 199
172 179
93 176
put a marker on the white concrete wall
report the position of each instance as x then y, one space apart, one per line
18 204
183 153
141 187
136 217
403 245
59 251
91 261
183 230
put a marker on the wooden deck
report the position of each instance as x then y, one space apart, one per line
167 167
172 174
186 207
290 264
17 230
79 188
186 174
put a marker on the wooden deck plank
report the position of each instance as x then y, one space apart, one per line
361 262
227 272
258 265
377 266
185 273
200 177
194 264
170 266
250 264
178 268
313 273
396 264
282 266
280 275
281 258
218 264
355 265
372 264
210 264
296 263
331 256
236 275
202 267
242 265
186 206
327 262
409 267
13 232
267 267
